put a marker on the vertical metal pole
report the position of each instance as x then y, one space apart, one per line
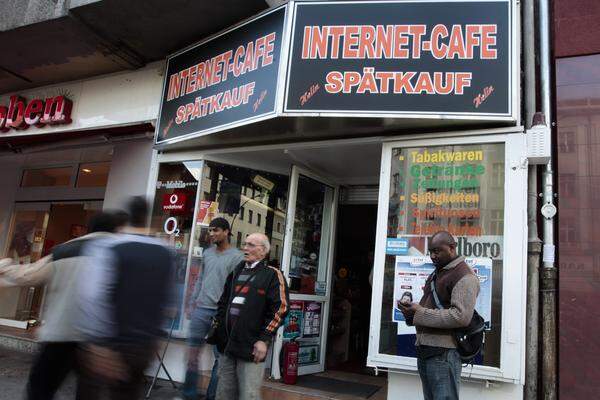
548 292
534 244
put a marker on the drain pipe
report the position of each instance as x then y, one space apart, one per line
549 273
534 244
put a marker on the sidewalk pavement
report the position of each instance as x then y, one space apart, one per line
14 369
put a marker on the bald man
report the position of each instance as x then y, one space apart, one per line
457 287
253 305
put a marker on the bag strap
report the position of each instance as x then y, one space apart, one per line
438 304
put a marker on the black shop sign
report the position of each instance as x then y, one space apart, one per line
227 81
449 59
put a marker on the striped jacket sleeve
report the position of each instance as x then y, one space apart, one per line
277 305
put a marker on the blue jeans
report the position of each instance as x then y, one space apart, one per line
440 375
199 325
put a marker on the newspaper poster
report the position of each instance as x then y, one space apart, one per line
312 319
409 280
293 321
206 212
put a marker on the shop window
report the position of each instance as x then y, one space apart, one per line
93 174
173 219
440 188
227 184
568 230
566 141
566 185
498 175
496 222
47 177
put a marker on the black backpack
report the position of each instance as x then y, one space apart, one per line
469 340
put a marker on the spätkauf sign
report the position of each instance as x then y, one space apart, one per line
449 58
226 81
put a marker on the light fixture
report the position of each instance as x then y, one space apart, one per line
86 170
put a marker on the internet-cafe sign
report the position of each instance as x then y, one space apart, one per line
229 80
401 58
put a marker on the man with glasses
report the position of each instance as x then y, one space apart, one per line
217 263
253 305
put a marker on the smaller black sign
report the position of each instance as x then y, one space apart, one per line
226 81
421 58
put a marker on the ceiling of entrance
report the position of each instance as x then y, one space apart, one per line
88 38
351 164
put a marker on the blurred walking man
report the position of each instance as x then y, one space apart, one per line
59 271
218 261
124 291
253 305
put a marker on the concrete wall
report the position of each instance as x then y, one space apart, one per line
17 13
129 173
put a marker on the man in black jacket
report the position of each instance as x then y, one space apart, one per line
253 305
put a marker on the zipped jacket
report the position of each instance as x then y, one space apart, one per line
265 306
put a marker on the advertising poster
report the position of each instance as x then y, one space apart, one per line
411 273
228 80
312 319
206 212
308 354
423 57
293 321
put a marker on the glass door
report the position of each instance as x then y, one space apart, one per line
307 262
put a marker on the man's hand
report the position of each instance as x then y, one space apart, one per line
409 309
260 351
5 263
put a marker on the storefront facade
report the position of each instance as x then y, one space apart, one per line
277 122
69 150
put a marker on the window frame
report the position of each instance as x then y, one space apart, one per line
514 275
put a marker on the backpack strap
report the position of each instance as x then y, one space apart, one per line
438 304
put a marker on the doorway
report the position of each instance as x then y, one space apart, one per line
348 341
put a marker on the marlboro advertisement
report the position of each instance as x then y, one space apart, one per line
422 57
228 80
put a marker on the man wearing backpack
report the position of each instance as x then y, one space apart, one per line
457 288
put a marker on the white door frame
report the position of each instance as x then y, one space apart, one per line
286 259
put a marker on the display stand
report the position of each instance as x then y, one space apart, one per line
161 363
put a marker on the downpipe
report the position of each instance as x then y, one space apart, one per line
534 244
549 272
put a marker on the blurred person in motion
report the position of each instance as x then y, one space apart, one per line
253 305
218 261
124 294
59 272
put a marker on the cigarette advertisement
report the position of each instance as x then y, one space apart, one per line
409 281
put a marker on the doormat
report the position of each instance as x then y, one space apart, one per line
363 390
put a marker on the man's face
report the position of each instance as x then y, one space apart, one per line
254 249
217 235
441 253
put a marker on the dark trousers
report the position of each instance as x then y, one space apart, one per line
440 375
136 358
51 367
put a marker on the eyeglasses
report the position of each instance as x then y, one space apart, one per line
251 245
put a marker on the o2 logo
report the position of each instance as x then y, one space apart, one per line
171 226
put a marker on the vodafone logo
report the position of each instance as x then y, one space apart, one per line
174 202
